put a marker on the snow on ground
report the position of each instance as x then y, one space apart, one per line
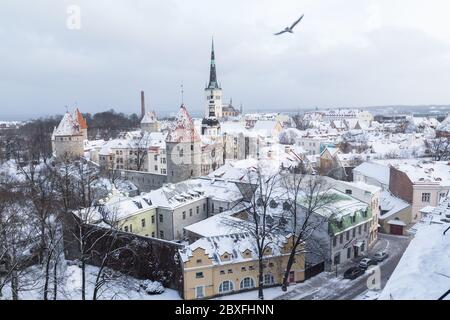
368 295
122 288
423 271
269 294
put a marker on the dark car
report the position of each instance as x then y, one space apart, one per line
353 273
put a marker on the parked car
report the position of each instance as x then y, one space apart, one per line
353 273
367 262
380 256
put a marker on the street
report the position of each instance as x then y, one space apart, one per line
326 286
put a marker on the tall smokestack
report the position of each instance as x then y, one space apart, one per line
142 104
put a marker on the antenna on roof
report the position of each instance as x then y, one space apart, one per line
182 93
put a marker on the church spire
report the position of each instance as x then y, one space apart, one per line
213 84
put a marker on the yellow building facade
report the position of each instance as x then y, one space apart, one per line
142 223
211 270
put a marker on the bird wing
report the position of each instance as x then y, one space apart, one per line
296 22
276 34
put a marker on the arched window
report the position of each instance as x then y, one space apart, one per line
226 286
268 279
247 283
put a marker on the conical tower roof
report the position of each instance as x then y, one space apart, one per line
183 129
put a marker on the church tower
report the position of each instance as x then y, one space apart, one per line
213 91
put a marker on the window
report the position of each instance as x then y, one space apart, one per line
190 212
268 279
226 286
347 235
243 269
349 253
126 228
365 227
354 232
337 258
251 268
199 275
153 234
184 215
247 283
156 157
199 260
442 195
220 209
199 292
426 197
348 191
192 147
230 270
156 168
198 209
353 218
161 218
291 277
334 241
341 238
143 223
359 230
161 234
212 207
131 228
204 207
153 219
222 271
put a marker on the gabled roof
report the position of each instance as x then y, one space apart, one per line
234 245
69 126
81 120
149 117
183 129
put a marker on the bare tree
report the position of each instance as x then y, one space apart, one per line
304 197
261 226
140 145
439 148
17 239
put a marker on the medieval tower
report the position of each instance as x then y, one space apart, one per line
183 149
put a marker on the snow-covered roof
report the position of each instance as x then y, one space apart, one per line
343 206
175 195
68 126
376 171
218 225
233 245
117 206
391 204
422 171
444 125
183 130
149 117
423 272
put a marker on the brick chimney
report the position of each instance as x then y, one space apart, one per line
142 104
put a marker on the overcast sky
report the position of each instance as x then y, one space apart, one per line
344 53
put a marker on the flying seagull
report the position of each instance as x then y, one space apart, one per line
290 29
